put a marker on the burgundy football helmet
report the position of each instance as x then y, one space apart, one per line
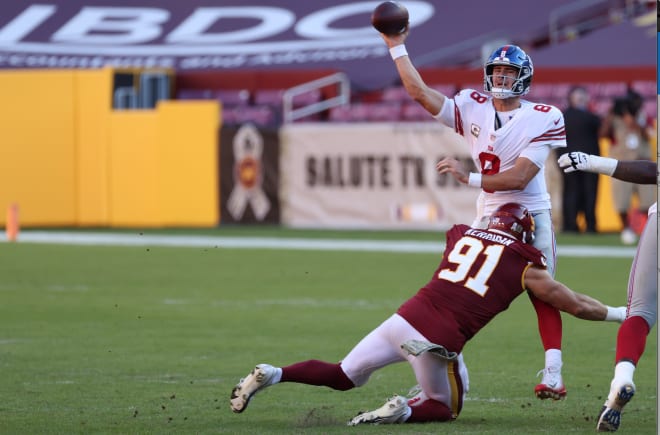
513 219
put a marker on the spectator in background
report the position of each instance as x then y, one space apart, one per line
580 188
628 128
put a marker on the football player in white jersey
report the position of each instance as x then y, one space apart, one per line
510 139
642 283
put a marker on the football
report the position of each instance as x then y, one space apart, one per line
390 18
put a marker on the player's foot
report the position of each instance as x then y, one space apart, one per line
551 386
258 379
391 412
609 418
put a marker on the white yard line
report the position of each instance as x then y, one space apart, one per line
119 239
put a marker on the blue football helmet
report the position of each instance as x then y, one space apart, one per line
514 56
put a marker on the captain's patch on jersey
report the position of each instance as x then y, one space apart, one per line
475 130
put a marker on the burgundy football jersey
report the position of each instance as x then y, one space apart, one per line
480 274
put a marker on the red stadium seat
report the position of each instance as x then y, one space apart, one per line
415 112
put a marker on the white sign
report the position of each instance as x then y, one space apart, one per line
372 175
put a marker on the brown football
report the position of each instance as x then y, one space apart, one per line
390 18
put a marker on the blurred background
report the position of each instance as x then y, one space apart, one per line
161 114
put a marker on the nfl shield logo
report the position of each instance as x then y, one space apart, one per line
475 130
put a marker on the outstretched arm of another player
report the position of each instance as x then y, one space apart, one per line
633 171
543 286
418 90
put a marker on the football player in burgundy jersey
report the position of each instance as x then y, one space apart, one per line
642 283
510 140
481 272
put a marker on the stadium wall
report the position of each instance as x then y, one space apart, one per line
69 159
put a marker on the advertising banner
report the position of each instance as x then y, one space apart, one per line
249 175
293 34
372 176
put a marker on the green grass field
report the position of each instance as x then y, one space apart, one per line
151 340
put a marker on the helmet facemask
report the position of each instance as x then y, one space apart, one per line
514 57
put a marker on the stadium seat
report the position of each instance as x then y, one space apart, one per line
414 112
611 90
386 111
233 96
447 89
259 115
271 97
349 113
395 94
195 94
646 89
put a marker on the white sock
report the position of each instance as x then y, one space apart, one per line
553 359
623 374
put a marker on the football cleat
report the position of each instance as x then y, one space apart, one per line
258 379
609 418
393 411
551 386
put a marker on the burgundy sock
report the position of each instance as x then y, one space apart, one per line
430 410
315 372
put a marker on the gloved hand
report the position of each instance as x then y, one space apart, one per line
579 161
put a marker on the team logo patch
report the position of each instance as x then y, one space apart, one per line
475 130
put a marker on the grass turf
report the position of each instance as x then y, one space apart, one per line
151 340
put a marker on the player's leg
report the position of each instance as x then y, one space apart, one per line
549 318
371 353
642 316
444 385
570 202
591 193
622 192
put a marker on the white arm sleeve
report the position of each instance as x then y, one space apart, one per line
536 152
446 114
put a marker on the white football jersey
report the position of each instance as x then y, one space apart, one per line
532 132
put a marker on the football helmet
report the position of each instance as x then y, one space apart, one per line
513 219
514 56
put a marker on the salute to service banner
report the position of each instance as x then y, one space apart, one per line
372 176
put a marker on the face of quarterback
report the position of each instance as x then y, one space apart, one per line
504 76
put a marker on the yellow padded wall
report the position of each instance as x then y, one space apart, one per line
133 169
94 104
37 146
188 156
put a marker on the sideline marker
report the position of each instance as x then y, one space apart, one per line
12 227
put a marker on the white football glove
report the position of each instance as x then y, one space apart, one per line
578 161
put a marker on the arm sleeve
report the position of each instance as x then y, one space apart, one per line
447 113
537 152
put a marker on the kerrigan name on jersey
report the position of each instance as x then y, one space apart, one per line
503 240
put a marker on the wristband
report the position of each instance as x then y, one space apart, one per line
617 314
603 165
474 179
398 51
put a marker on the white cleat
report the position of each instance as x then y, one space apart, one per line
551 386
609 418
391 412
257 380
